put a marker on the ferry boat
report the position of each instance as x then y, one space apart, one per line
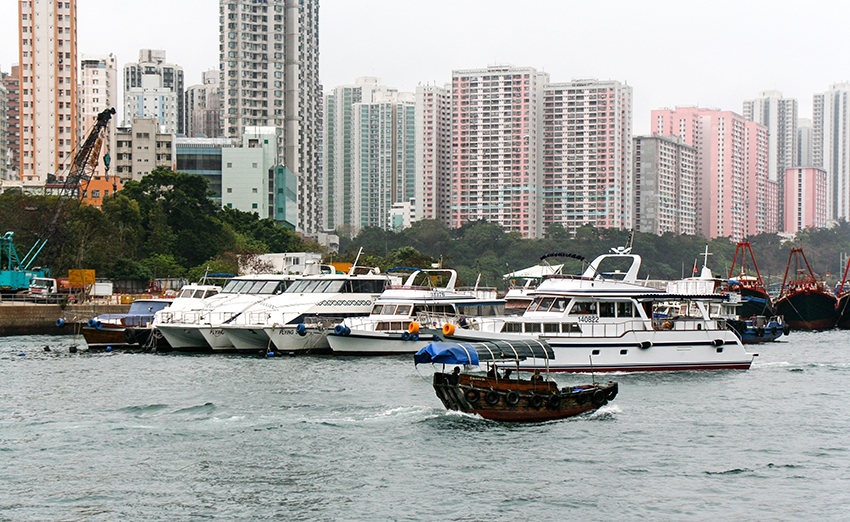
603 321
299 319
392 326
805 302
197 328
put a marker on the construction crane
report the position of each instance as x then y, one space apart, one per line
15 274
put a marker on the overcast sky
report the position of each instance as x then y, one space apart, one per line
713 54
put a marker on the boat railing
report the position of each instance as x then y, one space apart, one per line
256 318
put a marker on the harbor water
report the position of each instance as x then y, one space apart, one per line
121 436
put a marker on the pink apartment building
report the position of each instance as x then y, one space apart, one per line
496 147
734 198
587 155
806 195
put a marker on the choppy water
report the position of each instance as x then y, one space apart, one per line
176 437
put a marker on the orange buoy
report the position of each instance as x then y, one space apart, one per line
413 327
448 329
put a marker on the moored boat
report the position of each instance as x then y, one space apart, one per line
497 396
842 308
124 330
755 301
805 302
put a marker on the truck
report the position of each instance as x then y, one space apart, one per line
55 289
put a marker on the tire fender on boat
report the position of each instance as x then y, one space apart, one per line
599 397
492 397
760 331
536 401
612 393
512 398
581 398
472 395
129 335
554 400
718 342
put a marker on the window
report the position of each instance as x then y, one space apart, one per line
229 190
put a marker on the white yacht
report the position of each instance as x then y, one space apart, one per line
298 319
392 326
197 327
603 321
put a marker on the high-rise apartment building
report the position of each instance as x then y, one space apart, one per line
587 155
154 89
433 153
12 83
665 185
269 64
831 146
732 159
805 199
339 181
383 158
98 91
203 107
5 157
48 89
497 147
805 135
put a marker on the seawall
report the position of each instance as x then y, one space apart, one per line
40 319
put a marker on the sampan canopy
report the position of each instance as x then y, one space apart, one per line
472 353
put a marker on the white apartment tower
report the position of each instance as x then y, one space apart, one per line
831 146
98 91
48 88
203 107
587 155
269 77
497 147
779 115
433 153
154 89
805 133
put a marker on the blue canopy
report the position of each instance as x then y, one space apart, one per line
470 353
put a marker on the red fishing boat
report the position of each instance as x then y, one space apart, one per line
755 300
806 303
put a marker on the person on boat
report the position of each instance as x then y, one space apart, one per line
491 373
508 373
455 374
536 377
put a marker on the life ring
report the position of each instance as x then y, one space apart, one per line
472 395
492 397
612 393
512 398
554 400
598 397
536 401
448 329
413 327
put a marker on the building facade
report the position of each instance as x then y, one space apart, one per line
805 199
98 91
269 66
665 185
831 146
203 107
11 82
141 148
5 156
48 89
202 157
154 89
587 155
805 135
433 153
725 166
497 147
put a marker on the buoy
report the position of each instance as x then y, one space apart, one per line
60 322
347 331
21 354
339 329
413 327
108 348
405 336
72 349
91 322
270 354
98 325
448 329
301 329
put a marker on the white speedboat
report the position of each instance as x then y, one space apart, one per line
298 319
392 326
197 327
603 321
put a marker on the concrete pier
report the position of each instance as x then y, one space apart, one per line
18 318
